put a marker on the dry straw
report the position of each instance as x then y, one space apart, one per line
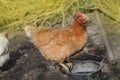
14 14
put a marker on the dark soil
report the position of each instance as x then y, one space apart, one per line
26 63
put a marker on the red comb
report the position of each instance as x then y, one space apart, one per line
78 14
6 34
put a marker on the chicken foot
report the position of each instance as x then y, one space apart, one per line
67 67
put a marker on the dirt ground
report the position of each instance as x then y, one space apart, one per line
26 62
112 28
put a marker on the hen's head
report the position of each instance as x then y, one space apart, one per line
4 34
81 18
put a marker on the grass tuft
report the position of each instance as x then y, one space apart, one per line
14 14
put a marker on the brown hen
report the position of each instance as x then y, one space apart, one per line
57 45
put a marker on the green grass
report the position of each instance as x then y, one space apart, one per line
15 14
111 8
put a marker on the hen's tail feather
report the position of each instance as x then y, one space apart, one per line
29 30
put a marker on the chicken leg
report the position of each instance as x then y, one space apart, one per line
67 67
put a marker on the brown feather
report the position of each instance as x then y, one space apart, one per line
57 45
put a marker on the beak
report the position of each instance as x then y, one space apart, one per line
88 23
